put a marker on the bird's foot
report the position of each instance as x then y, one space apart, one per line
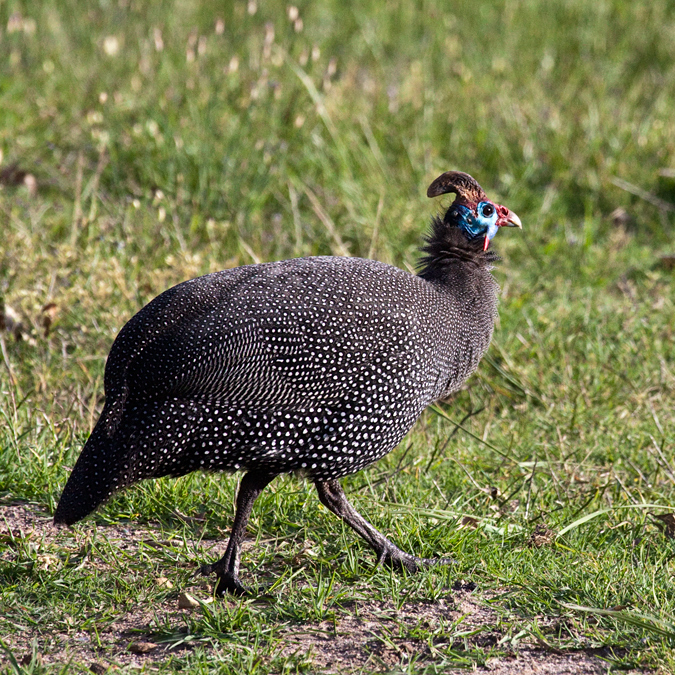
393 557
226 581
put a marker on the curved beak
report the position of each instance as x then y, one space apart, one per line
508 218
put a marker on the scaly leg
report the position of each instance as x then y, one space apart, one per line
227 568
333 498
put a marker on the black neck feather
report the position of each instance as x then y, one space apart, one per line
446 246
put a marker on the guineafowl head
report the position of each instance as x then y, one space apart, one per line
472 212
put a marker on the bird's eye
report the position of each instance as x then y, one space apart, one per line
488 210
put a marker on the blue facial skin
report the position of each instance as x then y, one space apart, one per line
482 225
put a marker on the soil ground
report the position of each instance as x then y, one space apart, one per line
361 640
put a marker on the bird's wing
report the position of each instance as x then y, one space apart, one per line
275 335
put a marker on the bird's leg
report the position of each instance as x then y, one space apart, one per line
333 497
227 568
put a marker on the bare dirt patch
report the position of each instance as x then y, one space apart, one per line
376 636
365 636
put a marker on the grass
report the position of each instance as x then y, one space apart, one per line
146 143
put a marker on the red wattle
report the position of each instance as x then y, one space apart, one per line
486 243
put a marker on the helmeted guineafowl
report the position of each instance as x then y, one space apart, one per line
317 366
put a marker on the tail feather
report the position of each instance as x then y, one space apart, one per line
98 473
137 447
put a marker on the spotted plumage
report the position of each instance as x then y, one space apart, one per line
317 366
